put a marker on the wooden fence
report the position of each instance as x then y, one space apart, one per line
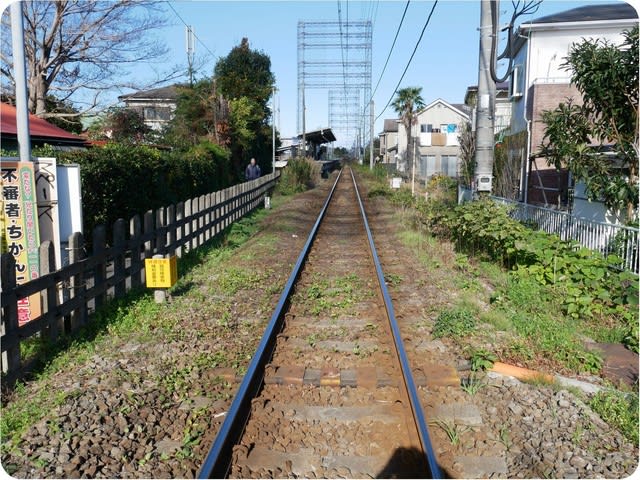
70 293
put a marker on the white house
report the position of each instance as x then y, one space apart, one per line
157 106
437 148
539 83
502 114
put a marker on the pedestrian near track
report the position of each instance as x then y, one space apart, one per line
252 171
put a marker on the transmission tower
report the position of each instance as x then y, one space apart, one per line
336 57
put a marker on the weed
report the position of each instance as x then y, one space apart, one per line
505 438
40 463
392 279
540 380
234 279
454 322
482 359
498 319
618 409
300 175
370 327
452 430
462 262
473 384
314 338
577 434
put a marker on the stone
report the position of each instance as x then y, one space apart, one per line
481 467
515 408
459 412
577 462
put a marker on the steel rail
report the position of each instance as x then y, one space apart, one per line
414 400
218 460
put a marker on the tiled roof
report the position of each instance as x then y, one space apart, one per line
38 127
390 125
590 13
163 93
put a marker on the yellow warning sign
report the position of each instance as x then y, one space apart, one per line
161 272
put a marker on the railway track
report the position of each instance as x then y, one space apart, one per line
329 392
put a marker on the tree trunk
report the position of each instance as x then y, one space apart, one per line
37 91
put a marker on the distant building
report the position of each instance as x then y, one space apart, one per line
389 141
437 146
41 132
502 114
157 106
539 83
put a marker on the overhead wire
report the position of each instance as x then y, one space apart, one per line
410 59
391 49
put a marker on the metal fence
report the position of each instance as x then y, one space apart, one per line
606 238
70 293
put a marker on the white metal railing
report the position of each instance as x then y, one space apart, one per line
606 238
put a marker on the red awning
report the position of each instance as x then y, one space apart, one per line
38 127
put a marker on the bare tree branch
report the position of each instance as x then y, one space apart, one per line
75 47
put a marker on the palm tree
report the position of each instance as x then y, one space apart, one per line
407 104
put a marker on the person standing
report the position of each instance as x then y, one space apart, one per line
253 170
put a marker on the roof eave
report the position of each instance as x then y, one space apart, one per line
580 24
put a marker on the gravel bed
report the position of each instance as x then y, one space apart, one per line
553 433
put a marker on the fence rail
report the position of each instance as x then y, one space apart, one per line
605 238
69 294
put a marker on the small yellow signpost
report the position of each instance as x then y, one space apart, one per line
161 272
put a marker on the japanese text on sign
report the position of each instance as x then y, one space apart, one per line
19 227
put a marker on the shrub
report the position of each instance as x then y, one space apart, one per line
299 175
120 180
590 287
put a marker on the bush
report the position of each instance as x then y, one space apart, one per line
120 180
589 285
299 175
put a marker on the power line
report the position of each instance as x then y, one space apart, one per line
410 59
391 49
186 25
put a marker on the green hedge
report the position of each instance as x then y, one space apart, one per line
119 180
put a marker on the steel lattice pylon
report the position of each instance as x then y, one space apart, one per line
336 56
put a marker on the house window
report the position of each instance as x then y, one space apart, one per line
157 113
427 165
426 128
516 82
449 165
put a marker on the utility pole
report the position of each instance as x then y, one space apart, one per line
20 75
371 120
413 170
190 52
273 129
485 104
304 127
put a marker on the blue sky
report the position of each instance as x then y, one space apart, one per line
445 64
